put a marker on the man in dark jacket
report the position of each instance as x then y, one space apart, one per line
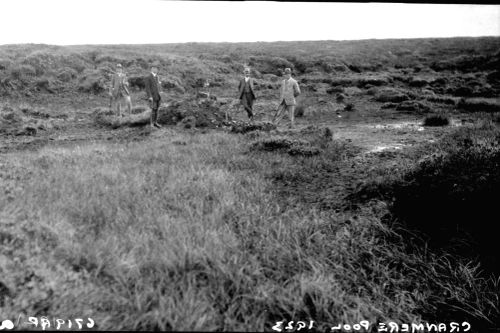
246 93
153 85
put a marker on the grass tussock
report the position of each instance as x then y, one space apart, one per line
108 118
436 120
441 99
278 143
391 95
413 106
349 107
479 104
246 127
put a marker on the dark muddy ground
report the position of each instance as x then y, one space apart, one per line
368 126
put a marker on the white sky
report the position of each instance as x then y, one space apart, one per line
64 22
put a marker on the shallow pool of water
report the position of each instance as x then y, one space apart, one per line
380 148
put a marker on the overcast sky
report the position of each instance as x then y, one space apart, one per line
66 22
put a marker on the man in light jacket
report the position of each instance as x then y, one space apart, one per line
288 91
119 90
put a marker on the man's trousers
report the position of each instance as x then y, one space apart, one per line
282 109
247 102
155 104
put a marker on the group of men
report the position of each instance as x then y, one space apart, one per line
289 90
119 94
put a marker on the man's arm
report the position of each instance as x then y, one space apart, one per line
240 85
296 89
282 90
112 84
147 83
158 83
252 85
125 84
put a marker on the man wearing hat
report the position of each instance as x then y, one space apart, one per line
289 90
153 85
246 92
119 90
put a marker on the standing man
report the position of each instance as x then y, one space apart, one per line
289 90
153 83
246 93
118 91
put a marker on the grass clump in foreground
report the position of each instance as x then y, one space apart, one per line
190 237
436 120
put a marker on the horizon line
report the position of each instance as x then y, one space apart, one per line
252 42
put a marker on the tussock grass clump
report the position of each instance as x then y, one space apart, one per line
349 107
309 141
25 120
335 90
188 122
353 91
372 91
208 113
342 81
441 99
5 63
108 118
479 104
137 109
340 98
495 117
493 77
175 84
436 120
22 71
389 105
92 82
413 106
468 63
245 127
418 82
461 90
300 110
391 95
373 81
303 151
269 64
305 103
278 143
45 84
136 81
11 120
67 74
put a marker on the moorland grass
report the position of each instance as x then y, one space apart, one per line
191 236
